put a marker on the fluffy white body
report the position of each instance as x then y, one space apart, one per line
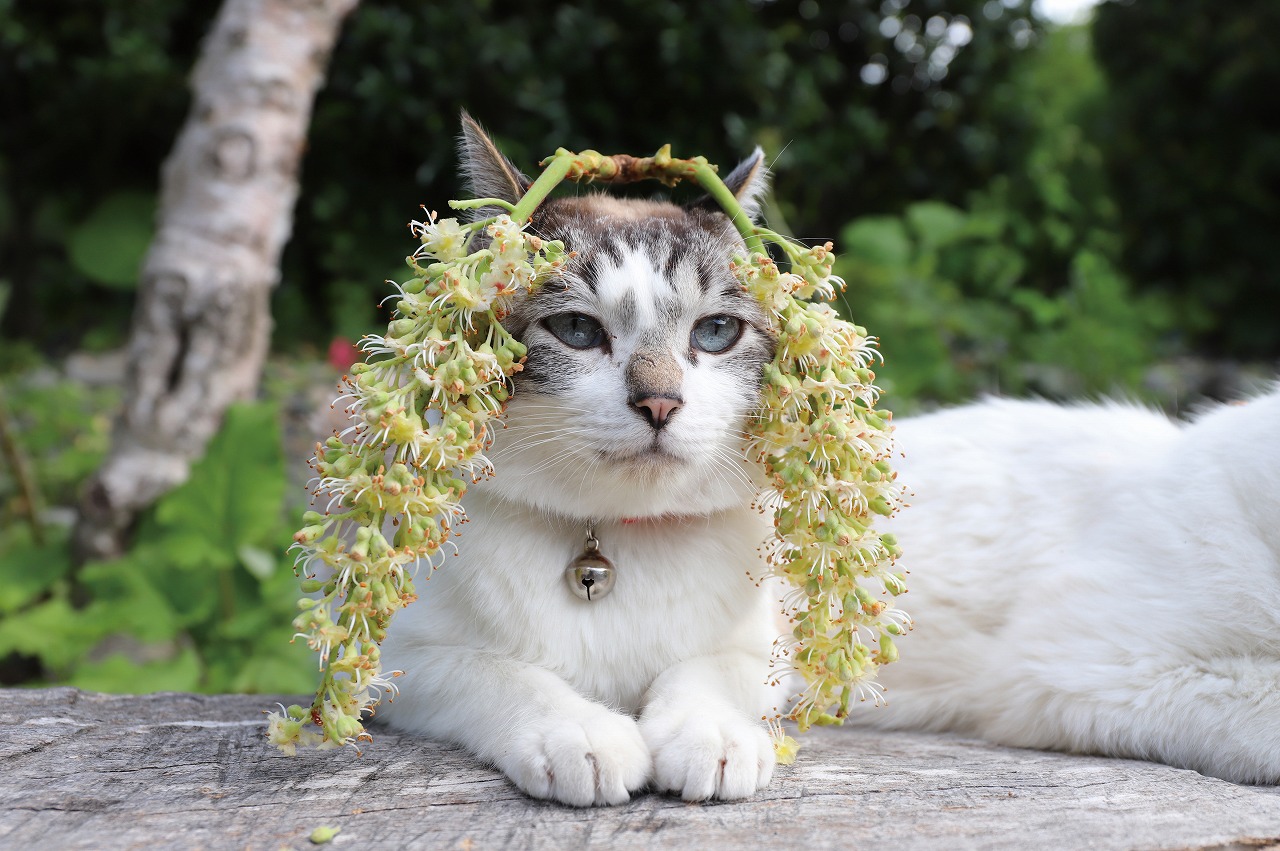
1095 578
582 702
1091 578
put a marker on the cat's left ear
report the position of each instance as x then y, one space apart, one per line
749 183
487 173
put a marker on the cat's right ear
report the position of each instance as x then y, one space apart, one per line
749 183
486 172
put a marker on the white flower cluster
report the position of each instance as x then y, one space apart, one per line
826 451
446 351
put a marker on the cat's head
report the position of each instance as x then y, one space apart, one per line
645 354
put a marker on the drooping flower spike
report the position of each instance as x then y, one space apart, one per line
400 472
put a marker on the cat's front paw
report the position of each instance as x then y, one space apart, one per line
590 756
705 755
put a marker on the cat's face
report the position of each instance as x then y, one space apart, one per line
644 358
644 363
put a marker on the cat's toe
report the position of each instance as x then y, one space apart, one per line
706 757
599 758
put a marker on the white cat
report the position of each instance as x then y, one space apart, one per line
1095 578
1092 578
644 363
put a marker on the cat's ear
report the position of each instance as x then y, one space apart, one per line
749 183
487 173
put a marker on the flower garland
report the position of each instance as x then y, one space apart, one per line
401 471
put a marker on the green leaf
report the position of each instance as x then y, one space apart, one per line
1045 311
936 224
878 240
53 631
234 496
259 562
278 667
108 247
28 569
188 550
134 594
122 675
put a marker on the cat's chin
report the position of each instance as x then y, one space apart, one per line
653 460
624 484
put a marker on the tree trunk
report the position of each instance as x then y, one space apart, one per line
202 322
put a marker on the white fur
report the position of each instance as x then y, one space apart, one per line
637 277
663 682
1095 578
1091 578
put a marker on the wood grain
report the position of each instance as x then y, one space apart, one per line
188 771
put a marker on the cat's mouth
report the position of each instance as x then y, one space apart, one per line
651 456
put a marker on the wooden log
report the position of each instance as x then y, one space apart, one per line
186 771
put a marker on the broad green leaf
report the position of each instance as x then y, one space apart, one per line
257 561
278 668
133 595
235 492
28 569
249 622
878 240
188 549
936 224
108 247
52 631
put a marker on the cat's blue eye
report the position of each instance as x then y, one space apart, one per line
716 333
576 330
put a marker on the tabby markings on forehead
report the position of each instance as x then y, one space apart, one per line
635 277
676 253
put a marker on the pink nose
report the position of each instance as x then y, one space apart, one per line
657 409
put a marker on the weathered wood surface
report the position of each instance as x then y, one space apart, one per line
86 770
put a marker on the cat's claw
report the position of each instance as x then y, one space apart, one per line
698 756
594 757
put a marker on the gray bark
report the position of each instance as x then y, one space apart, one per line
202 323
187 771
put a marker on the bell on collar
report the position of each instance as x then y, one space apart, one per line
590 575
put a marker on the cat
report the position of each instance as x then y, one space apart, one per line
628 422
1087 578
1095 578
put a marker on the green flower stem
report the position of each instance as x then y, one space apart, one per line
706 177
590 165
477 203
553 174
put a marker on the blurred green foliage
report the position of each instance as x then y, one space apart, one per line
92 95
864 106
65 424
1192 149
712 78
1021 291
94 92
203 600
108 246
1017 209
